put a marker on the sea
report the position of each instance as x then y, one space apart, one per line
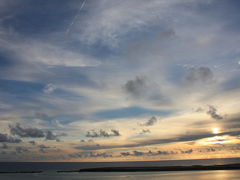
50 170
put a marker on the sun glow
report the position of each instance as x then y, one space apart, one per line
217 140
215 130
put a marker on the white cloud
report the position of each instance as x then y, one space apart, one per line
109 20
49 88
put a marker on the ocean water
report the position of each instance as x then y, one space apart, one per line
184 175
49 170
55 166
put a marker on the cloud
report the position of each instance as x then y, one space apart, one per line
136 87
125 153
138 153
102 133
180 138
145 131
21 149
42 148
51 136
49 88
187 151
199 75
34 132
232 122
150 122
212 111
111 21
26 132
8 139
164 152
146 89
89 155
156 153
4 146
32 142
41 115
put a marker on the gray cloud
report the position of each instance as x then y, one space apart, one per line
144 88
4 146
125 154
21 149
187 151
34 132
26 132
102 133
212 111
42 148
89 155
41 115
156 153
145 131
165 152
9 139
32 142
150 122
51 136
199 74
135 87
138 153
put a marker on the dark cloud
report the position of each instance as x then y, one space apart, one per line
135 87
8 139
156 153
4 146
21 149
89 155
62 134
42 148
51 136
138 153
150 122
212 111
102 133
41 115
34 132
199 74
165 152
125 154
210 149
26 132
145 131
32 142
187 151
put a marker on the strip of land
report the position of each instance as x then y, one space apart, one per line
16 172
159 168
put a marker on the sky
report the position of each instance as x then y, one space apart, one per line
119 80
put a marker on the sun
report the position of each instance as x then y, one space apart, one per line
215 130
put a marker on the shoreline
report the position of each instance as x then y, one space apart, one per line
158 168
19 172
141 169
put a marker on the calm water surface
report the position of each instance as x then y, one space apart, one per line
186 175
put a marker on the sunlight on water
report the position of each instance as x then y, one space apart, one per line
186 175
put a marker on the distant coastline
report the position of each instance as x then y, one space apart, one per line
17 172
158 168
38 167
142 169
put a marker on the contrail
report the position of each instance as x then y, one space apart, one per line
74 19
